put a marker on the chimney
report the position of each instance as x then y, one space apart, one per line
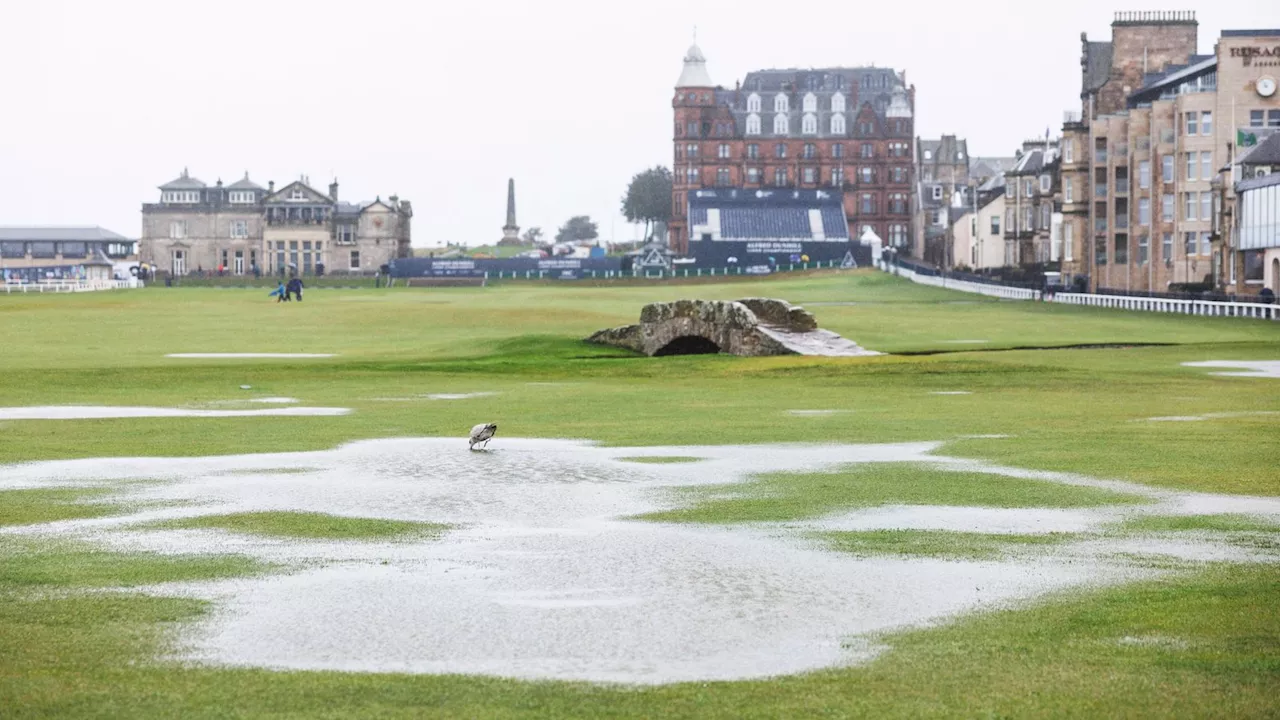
271 186
333 189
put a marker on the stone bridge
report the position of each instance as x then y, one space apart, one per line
750 327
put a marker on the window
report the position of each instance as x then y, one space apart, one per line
780 104
866 128
346 234
691 129
722 177
1273 118
753 103
241 197
1206 165
238 267
868 150
679 152
753 151
898 203
810 151
1143 249
780 177
1144 174
1166 169
1206 247
1191 165
1028 219
1100 157
1192 117
753 124
1206 123
355 259
900 175
837 103
1008 190
837 150
810 175
1189 202
780 150
1068 151
178 229
867 175
753 175
1067 241
809 124
1256 118
1166 207
691 150
1122 248
1046 216
1166 246
1068 191
1189 243
995 224
1009 219
691 176
239 228
780 124
1144 211
928 154
1206 200
867 206
837 125
937 191
723 151
73 249
1028 189
1045 183
810 103
837 177
179 266
898 235
1100 251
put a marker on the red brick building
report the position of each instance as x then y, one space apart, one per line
842 130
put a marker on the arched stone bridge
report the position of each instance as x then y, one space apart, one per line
749 327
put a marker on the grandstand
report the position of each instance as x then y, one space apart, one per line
767 226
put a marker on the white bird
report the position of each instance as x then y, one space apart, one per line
482 433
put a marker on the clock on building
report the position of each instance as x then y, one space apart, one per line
1266 86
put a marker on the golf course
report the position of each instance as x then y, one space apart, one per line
1018 509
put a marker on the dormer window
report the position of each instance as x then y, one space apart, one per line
810 103
1044 183
241 197
297 194
780 103
809 124
837 103
753 103
928 154
937 192
181 196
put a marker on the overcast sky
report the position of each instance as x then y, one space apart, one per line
440 103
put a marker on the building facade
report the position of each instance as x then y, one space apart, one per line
31 254
977 236
941 169
1152 149
1033 207
244 228
846 131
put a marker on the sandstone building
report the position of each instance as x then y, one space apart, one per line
244 228
841 131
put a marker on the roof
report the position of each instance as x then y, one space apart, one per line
71 234
770 214
830 79
1258 182
1029 164
1251 33
184 182
1172 75
949 150
245 184
1097 64
695 73
1266 152
995 182
989 167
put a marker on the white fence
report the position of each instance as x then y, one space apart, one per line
62 286
1120 302
1184 307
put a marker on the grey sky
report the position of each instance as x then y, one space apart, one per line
442 102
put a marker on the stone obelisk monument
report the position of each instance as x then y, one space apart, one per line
511 231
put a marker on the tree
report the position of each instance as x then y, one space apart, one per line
532 236
648 198
579 228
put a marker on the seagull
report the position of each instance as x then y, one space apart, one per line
482 433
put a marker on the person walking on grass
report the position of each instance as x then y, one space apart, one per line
295 287
280 294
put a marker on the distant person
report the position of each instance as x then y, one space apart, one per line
1267 296
279 293
295 288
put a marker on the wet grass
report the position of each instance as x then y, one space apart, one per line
796 496
1217 523
309 526
42 505
27 564
936 543
93 656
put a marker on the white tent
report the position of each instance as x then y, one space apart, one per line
869 237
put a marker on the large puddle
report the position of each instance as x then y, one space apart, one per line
543 577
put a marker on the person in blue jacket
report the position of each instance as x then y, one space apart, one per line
279 293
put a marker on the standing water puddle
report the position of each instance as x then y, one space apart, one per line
542 577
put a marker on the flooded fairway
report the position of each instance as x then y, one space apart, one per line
543 573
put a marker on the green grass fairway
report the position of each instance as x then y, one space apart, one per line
311 526
84 632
